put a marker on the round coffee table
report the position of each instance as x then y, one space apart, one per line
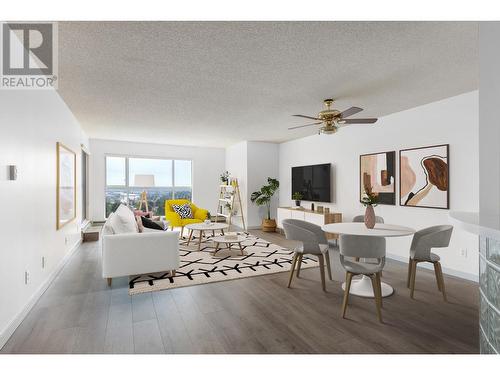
223 240
202 227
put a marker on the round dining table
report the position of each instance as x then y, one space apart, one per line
363 287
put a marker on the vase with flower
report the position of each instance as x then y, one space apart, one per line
369 200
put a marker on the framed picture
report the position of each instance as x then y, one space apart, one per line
378 172
66 185
424 179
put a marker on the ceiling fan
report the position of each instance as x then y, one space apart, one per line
332 119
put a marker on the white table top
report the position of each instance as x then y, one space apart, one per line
223 239
360 229
203 226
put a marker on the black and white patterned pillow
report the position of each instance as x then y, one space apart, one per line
184 210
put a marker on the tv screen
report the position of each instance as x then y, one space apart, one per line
313 182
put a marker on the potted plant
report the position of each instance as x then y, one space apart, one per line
208 220
263 197
224 178
297 197
369 200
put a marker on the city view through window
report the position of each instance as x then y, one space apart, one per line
171 180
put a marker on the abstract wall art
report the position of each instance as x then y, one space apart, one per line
66 185
424 177
378 171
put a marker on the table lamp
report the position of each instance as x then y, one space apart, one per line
144 181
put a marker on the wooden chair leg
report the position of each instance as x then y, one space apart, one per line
378 297
409 272
182 232
292 268
442 282
436 272
348 279
328 265
110 280
379 285
413 277
299 264
173 272
322 271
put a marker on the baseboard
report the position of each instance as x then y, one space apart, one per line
447 271
12 326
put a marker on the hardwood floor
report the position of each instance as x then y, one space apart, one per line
80 314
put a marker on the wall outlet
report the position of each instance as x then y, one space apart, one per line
43 262
27 277
463 252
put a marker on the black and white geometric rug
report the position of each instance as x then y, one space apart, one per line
200 267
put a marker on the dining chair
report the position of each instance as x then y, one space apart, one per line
420 251
363 247
312 241
361 219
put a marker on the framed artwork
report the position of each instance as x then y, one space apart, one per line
66 185
424 177
378 171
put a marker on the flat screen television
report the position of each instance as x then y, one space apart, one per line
313 182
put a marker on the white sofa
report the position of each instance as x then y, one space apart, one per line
125 254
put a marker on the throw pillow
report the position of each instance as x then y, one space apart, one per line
123 220
184 210
107 228
148 223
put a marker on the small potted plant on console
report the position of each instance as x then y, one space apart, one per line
297 197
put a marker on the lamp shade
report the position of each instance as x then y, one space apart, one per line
144 180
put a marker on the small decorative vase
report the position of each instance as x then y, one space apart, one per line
370 217
297 203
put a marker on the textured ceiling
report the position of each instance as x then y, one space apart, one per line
217 83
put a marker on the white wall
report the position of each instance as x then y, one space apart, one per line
208 164
31 122
252 163
262 163
453 120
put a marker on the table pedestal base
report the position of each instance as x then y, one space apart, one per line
363 288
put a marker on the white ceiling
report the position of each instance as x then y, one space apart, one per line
217 83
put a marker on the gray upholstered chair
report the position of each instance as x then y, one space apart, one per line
363 247
420 251
361 219
312 241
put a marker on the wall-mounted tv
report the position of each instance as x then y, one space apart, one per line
313 182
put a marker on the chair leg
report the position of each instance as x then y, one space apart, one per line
322 271
328 265
436 272
442 282
299 264
379 285
172 272
292 268
110 280
413 277
409 272
356 259
378 297
182 232
348 279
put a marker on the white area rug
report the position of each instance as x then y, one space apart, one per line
200 267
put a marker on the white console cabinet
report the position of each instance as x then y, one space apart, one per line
318 218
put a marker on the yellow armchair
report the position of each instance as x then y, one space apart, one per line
199 214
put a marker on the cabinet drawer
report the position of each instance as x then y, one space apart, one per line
318 219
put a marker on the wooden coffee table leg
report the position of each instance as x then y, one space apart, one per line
213 233
222 231
199 241
216 248
190 235
241 248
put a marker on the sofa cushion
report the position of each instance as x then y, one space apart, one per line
107 229
183 210
123 220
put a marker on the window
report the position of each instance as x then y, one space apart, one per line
167 179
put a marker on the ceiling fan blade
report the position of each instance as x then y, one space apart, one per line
349 112
301 126
359 121
309 117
